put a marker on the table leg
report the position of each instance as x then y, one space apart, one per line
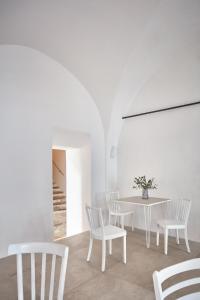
122 222
147 218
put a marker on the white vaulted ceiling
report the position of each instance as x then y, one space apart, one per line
92 39
112 47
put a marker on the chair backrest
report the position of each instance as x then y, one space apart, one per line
44 249
95 218
179 210
115 206
114 195
163 275
110 197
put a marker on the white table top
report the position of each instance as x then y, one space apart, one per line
138 200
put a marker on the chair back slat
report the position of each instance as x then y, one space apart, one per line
114 195
43 275
32 276
53 265
91 218
179 210
95 218
20 277
163 275
63 270
185 206
101 222
187 209
44 249
111 203
115 206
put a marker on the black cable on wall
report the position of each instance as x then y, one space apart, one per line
160 110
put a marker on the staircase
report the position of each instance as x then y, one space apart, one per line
59 199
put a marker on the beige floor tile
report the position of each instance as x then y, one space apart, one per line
85 281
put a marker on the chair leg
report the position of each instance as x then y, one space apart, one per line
186 241
177 237
103 262
166 241
157 235
90 249
124 249
133 222
110 247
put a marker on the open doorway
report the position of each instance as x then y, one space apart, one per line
59 193
75 181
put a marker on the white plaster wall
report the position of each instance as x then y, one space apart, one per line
170 41
78 189
165 145
36 96
92 39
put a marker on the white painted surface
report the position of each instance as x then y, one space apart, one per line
31 250
92 39
167 57
163 71
78 189
117 50
36 95
112 47
164 146
176 270
100 231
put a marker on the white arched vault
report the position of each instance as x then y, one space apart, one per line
169 40
37 95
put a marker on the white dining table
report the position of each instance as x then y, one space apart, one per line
147 204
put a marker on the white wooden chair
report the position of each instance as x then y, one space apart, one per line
118 210
177 219
104 233
163 275
44 249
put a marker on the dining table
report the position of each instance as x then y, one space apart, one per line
147 205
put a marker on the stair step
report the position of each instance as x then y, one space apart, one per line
59 201
59 196
55 186
60 210
57 191
59 207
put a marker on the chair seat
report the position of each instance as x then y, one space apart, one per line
110 232
170 223
122 212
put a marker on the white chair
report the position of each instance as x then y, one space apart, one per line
104 233
44 249
177 219
118 210
163 275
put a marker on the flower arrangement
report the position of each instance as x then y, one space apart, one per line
142 183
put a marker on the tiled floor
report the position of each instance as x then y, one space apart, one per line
85 280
